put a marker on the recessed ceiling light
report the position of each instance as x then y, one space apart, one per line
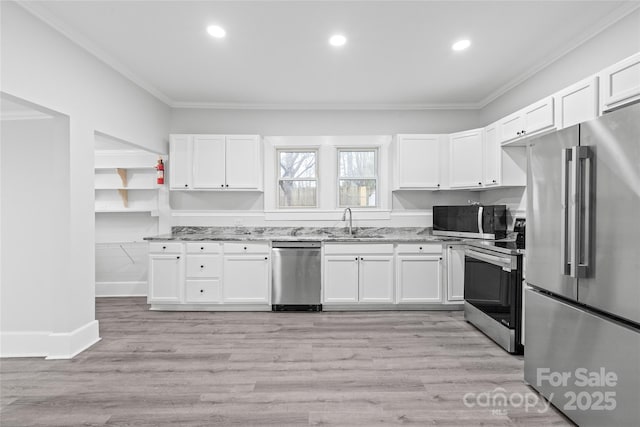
461 44
337 40
216 31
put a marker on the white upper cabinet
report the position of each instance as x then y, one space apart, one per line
620 83
243 161
215 162
466 152
180 162
492 154
578 103
534 119
208 161
417 162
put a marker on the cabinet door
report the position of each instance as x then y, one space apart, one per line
578 103
165 278
180 162
538 116
455 273
510 127
620 83
340 278
376 278
202 291
418 161
208 161
246 279
466 159
244 167
419 279
492 154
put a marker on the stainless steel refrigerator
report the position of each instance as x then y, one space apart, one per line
582 326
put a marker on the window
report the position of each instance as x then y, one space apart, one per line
357 178
297 179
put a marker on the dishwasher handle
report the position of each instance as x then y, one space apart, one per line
296 245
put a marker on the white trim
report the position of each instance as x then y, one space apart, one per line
23 115
323 107
121 289
48 344
24 344
67 345
360 214
226 213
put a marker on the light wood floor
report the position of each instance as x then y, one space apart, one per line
203 369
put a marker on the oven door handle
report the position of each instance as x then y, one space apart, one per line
480 214
504 262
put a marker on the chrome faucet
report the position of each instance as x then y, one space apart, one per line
344 218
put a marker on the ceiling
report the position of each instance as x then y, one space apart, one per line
276 55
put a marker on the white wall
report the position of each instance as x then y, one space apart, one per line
608 47
321 122
43 67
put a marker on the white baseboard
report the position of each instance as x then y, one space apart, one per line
69 344
121 289
24 344
47 344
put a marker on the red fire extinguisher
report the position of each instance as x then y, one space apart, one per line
160 169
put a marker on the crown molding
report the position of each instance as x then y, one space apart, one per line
45 16
616 15
336 106
23 115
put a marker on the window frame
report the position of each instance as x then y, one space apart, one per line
376 177
316 178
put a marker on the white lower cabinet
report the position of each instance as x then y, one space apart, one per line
204 273
455 273
358 273
341 278
166 276
376 278
419 273
246 279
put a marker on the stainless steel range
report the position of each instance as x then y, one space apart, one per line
493 291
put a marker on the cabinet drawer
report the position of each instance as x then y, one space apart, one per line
420 248
204 248
358 248
246 248
165 247
204 266
202 291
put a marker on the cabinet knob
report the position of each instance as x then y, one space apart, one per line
186 185
420 248
202 248
177 257
222 185
524 131
266 258
227 185
164 247
479 183
438 185
361 259
245 248
517 133
201 290
202 266
493 180
440 258
356 258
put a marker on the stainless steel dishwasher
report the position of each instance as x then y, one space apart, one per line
296 278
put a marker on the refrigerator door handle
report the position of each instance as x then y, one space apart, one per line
567 156
584 201
480 211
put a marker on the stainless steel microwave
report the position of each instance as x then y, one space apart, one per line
475 221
